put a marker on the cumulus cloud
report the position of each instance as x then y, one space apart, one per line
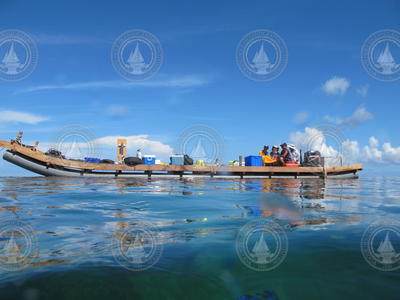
387 153
314 139
135 142
350 151
336 86
347 151
20 117
361 114
78 147
372 152
391 154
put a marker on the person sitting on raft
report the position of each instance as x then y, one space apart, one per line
266 158
275 152
264 151
285 155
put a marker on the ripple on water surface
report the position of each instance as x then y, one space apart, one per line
135 238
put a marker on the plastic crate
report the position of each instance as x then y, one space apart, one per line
253 161
149 159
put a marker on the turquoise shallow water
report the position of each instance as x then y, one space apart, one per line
70 229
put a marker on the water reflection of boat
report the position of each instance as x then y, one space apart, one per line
30 158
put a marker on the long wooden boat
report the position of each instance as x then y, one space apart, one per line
32 159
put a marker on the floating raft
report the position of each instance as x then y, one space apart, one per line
32 159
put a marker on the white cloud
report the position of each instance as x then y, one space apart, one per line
314 139
391 154
107 147
349 151
386 154
361 114
20 117
363 90
372 153
373 141
301 117
117 110
135 142
336 86
180 82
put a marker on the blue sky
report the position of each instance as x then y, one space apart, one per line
199 81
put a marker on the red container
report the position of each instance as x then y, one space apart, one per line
291 164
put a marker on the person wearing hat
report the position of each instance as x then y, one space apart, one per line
285 155
295 155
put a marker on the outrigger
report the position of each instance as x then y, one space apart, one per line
32 159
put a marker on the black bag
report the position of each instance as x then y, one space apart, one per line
133 161
187 160
54 153
107 161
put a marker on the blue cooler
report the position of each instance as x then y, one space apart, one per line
253 161
178 160
92 160
149 159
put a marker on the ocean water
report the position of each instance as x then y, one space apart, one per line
199 238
